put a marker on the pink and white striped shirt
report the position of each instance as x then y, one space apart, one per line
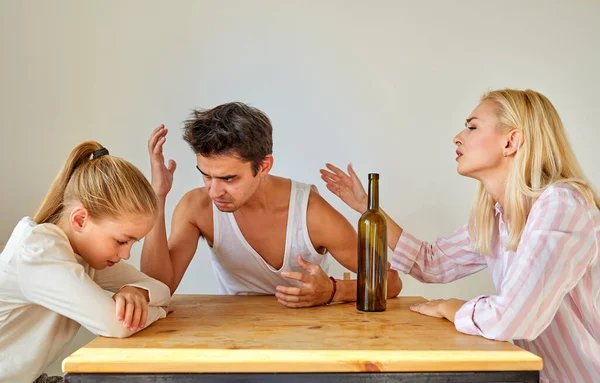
547 292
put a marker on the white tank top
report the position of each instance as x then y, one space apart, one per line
240 270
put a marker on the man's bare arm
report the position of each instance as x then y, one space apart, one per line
330 229
165 260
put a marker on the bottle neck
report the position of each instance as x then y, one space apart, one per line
373 193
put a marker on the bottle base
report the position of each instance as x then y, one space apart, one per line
370 311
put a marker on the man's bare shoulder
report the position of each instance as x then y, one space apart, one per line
316 203
196 203
325 223
319 212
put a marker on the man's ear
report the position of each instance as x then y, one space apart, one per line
78 218
265 165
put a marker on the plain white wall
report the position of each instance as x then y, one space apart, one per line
385 85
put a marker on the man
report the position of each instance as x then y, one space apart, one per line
267 234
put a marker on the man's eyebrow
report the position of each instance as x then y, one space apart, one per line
225 177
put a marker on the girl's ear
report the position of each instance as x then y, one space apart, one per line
78 218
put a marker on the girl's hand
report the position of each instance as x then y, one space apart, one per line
132 307
168 309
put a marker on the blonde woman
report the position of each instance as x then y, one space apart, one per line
56 266
535 224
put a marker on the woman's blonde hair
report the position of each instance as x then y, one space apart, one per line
544 158
107 186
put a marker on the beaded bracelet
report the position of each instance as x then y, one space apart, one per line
334 290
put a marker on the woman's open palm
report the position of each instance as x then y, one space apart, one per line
346 186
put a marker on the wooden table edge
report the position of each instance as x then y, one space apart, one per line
285 361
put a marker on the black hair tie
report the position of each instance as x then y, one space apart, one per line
99 153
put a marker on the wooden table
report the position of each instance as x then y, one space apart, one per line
253 338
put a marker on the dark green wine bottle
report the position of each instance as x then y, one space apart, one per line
372 254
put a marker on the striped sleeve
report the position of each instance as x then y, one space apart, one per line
447 260
556 248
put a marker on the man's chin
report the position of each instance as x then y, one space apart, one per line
226 208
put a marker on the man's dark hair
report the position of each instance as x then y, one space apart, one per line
231 129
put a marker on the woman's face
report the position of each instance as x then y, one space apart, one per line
480 146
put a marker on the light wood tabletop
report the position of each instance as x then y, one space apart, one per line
252 334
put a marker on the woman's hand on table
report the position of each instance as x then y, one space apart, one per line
439 308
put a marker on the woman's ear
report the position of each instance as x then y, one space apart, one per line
514 140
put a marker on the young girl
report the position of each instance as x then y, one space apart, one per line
56 266
535 223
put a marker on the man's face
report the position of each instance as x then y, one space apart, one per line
229 180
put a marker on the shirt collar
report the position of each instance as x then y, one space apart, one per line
498 208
